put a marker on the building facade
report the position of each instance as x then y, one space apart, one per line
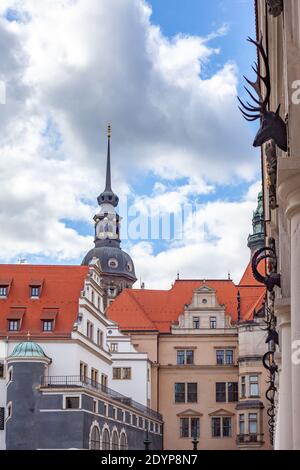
278 26
205 340
66 367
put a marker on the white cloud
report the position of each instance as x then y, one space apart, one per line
80 64
214 244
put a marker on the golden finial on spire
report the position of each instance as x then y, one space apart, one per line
109 131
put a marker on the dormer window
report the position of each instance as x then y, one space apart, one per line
3 291
35 288
35 291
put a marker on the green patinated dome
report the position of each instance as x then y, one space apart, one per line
28 349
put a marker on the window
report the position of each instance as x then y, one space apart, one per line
2 418
185 356
195 427
216 427
13 325
220 356
221 392
232 391
1 369
184 427
72 402
243 386
221 426
95 439
192 392
180 357
115 441
253 386
105 440
94 376
186 393
242 424
117 373
3 291
35 291
213 322
123 441
47 325
226 427
95 406
229 356
90 330
122 373
83 371
180 393
224 356
196 323
126 373
103 380
252 423
114 347
99 338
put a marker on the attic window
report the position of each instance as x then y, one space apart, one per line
34 291
113 263
35 287
4 287
204 301
3 291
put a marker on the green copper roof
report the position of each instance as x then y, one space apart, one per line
28 349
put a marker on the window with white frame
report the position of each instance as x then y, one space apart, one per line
221 426
114 347
72 402
252 423
253 386
3 291
242 424
213 323
190 427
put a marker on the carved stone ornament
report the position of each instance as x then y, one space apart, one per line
271 155
275 7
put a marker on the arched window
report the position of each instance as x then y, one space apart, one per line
95 439
123 441
105 440
115 441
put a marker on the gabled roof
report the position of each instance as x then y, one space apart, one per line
61 291
156 310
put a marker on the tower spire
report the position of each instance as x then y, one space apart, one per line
108 196
108 173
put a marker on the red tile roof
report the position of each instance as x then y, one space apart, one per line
61 291
156 310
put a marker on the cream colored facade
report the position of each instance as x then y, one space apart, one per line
242 418
281 36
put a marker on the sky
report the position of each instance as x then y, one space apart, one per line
165 75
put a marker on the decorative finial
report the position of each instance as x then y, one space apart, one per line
229 277
178 277
28 335
109 131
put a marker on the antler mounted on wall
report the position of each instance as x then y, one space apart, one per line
272 125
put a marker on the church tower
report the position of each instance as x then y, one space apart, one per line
257 239
116 265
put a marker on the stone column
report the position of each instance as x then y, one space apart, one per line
289 191
284 435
